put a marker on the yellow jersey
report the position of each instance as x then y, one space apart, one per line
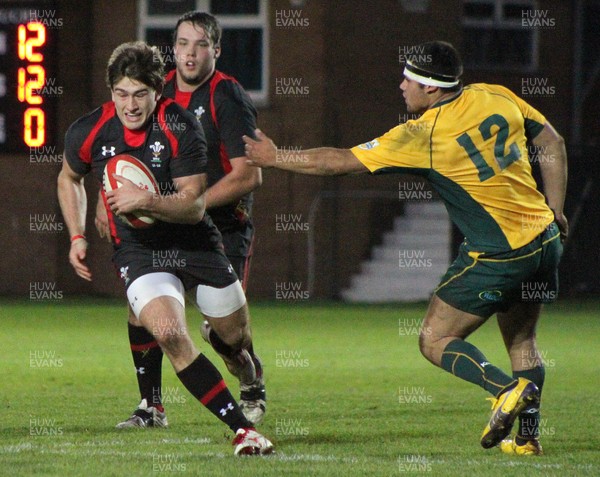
473 150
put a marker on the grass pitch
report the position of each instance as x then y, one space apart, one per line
348 394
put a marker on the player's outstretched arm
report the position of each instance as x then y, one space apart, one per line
322 161
241 180
553 167
73 204
185 206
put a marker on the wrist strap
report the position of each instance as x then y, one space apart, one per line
77 237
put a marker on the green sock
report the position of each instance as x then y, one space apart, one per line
465 361
529 420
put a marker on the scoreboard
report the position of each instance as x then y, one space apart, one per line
28 86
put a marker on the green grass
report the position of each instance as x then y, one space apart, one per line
349 395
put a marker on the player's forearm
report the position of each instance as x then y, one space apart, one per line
230 189
321 161
553 167
182 207
73 203
554 176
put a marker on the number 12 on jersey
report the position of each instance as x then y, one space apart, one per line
485 128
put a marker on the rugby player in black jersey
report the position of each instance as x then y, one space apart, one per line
170 141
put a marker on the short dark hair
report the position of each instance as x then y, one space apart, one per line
202 19
439 58
138 61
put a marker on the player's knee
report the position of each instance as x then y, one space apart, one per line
245 339
237 338
426 344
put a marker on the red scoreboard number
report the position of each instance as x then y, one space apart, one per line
27 83
32 77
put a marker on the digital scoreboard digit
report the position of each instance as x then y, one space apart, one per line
28 89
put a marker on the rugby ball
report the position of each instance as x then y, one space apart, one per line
137 172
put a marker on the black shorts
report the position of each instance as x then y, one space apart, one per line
239 252
192 267
238 240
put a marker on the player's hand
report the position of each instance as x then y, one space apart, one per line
101 220
128 197
262 152
563 225
77 256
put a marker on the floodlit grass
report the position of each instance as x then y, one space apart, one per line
348 395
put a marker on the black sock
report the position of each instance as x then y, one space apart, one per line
147 358
529 420
206 384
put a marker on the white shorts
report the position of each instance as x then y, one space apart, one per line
211 301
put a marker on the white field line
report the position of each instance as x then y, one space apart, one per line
82 449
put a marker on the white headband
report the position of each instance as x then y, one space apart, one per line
413 72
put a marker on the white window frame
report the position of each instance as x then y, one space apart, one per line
499 22
260 97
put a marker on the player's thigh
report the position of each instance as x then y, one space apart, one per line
540 285
445 321
157 300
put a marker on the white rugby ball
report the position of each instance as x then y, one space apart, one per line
137 172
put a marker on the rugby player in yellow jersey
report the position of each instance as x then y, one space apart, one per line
470 143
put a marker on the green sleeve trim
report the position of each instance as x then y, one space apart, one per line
417 171
532 128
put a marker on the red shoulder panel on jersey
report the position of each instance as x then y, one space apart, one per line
85 152
164 127
215 80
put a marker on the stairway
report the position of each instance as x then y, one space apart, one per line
411 260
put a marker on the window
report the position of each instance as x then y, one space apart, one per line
499 34
244 42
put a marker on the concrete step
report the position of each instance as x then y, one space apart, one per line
390 254
402 241
406 268
410 262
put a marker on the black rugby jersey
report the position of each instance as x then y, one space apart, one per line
226 113
172 145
